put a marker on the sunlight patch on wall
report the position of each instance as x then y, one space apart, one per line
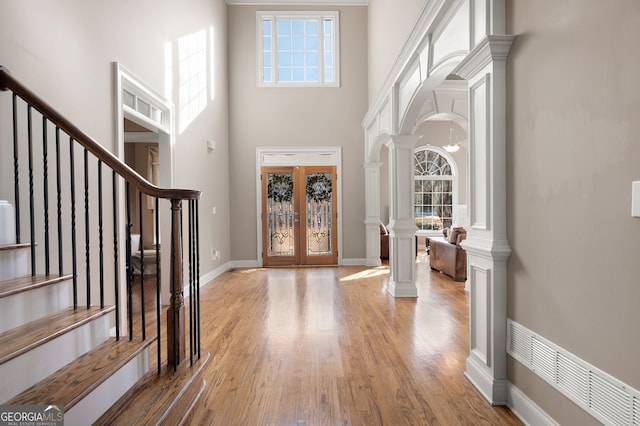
192 54
168 71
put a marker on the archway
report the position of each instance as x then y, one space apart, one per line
457 42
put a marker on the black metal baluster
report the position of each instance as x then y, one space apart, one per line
158 330
73 223
192 248
32 221
45 164
86 226
198 274
141 217
16 180
116 271
59 202
129 269
191 293
100 235
195 278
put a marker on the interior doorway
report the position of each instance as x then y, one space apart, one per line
142 154
144 117
299 220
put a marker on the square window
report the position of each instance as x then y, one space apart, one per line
311 59
306 44
298 59
311 74
311 27
284 27
311 43
284 59
298 74
284 43
284 74
297 27
298 42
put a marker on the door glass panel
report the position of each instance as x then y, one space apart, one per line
280 214
319 214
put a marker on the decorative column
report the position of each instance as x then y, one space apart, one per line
175 312
486 244
402 228
372 211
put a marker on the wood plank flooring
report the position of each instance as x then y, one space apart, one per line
330 346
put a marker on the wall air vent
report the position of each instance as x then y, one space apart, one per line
604 397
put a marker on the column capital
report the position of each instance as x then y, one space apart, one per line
493 48
403 141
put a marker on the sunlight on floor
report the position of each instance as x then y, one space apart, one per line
369 273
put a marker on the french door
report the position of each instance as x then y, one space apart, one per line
299 217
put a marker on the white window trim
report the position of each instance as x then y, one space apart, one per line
454 178
262 15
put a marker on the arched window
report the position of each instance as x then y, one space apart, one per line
434 180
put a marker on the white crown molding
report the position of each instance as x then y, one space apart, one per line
297 2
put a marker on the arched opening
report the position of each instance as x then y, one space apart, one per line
438 73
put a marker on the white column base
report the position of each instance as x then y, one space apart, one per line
494 390
402 289
372 228
402 255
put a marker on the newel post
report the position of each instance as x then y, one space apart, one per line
175 313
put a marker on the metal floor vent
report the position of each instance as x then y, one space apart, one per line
604 397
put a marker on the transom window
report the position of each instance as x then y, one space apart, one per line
433 179
298 48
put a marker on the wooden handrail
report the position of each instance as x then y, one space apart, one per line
7 82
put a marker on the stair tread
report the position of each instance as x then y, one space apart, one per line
76 380
22 339
154 399
18 246
21 284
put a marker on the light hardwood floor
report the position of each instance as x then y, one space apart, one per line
330 346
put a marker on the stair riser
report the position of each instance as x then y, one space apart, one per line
13 264
104 396
23 371
30 305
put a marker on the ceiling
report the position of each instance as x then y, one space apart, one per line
299 2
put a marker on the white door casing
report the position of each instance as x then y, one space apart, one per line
137 102
297 156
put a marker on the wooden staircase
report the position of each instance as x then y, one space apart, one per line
54 354
67 358
94 360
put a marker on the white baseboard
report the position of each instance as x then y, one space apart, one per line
527 410
212 275
244 264
356 262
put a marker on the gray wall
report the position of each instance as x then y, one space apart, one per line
64 51
573 151
296 117
390 22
